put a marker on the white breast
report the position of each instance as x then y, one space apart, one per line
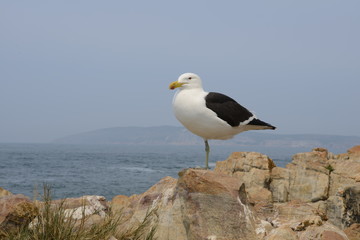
190 109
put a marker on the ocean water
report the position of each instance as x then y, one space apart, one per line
106 170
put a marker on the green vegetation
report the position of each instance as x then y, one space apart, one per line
330 168
55 223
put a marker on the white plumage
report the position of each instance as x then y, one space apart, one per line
210 115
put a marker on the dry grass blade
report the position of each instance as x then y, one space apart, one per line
55 222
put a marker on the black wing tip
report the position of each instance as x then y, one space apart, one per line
270 127
258 122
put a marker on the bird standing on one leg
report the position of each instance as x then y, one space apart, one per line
210 115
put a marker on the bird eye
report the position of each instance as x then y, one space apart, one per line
189 78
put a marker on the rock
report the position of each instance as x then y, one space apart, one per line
282 233
323 232
252 169
343 210
4 192
78 208
248 197
305 178
259 196
292 213
309 178
335 210
244 162
263 229
16 210
353 232
211 199
351 198
315 175
197 206
94 208
346 172
245 197
119 202
161 199
280 184
354 151
306 222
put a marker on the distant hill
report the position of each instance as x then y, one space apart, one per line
170 135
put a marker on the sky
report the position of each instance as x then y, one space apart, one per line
68 67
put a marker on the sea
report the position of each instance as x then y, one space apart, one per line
71 170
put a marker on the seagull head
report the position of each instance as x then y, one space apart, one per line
186 80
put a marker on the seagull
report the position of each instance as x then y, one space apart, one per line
210 115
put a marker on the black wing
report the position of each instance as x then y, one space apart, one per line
230 111
227 108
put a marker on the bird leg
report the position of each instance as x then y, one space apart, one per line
207 150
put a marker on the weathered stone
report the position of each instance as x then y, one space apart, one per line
16 210
296 202
263 229
306 222
253 178
119 202
324 150
353 232
292 213
280 184
197 206
338 182
259 196
91 208
315 161
354 151
282 233
352 204
4 192
252 169
162 198
206 211
244 162
346 172
78 208
309 177
335 211
343 210
320 209
324 232
245 197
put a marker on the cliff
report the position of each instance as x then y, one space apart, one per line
316 196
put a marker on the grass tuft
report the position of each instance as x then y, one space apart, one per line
55 222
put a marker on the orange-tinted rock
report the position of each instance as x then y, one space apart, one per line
323 232
119 202
353 232
4 192
355 151
282 233
201 204
16 210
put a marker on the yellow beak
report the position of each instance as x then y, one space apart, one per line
175 84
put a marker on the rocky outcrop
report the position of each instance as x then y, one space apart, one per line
353 232
4 192
316 196
248 197
199 205
16 210
253 169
